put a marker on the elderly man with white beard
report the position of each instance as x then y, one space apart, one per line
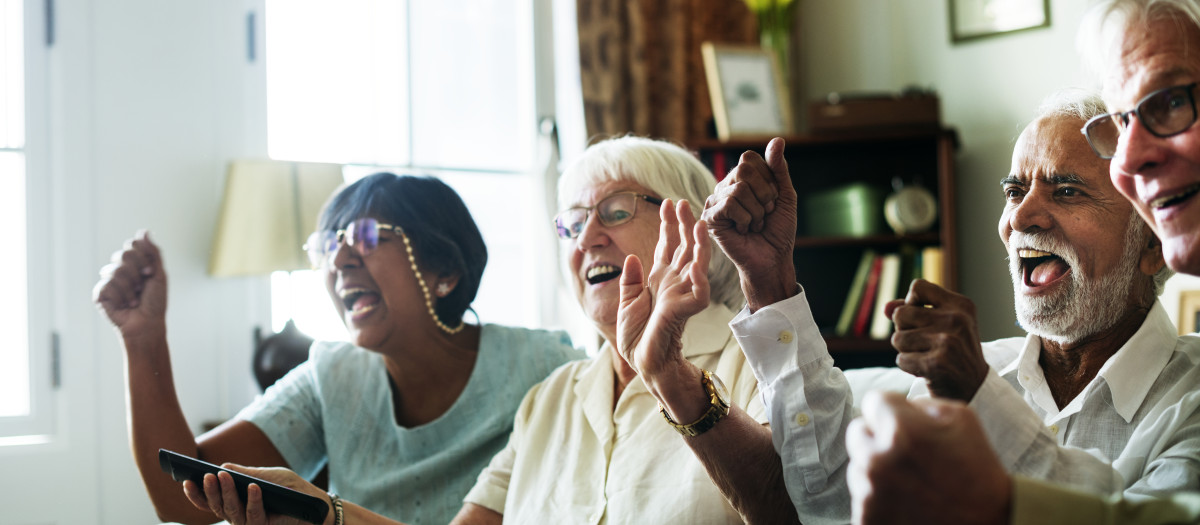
1078 401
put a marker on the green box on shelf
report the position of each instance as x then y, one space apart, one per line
853 210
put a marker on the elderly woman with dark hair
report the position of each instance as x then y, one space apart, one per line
406 414
645 432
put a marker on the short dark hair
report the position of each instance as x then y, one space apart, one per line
444 237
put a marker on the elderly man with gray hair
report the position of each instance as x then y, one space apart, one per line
1146 53
1120 394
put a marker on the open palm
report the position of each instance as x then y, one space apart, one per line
654 311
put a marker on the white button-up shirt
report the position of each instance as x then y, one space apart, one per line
1134 428
575 457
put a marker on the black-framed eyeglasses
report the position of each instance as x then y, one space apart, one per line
1166 112
618 208
361 234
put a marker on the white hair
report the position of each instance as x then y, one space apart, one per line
1101 32
669 171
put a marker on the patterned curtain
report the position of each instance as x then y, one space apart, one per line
641 67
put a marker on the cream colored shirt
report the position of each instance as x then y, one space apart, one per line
575 458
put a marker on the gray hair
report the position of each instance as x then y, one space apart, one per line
1079 103
1100 33
669 171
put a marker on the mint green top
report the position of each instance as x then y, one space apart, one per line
337 408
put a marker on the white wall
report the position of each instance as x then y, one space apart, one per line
989 90
148 100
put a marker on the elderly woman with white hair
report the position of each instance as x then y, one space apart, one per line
665 424
645 432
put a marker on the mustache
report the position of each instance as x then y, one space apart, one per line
1042 242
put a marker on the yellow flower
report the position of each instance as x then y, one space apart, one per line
760 6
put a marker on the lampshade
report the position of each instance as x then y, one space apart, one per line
268 211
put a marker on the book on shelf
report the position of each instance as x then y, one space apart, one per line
889 280
855 295
862 320
909 258
931 265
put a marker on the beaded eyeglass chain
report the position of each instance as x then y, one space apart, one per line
412 259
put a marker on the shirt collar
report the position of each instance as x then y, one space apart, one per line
1129 373
1137 364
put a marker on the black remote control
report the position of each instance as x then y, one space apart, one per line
277 499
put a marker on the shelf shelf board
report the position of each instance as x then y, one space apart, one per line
928 238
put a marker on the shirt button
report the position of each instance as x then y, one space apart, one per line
785 337
802 419
1054 429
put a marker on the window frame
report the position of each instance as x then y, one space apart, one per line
39 424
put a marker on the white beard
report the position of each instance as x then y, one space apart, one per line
1086 306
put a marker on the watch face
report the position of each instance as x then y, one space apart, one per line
719 388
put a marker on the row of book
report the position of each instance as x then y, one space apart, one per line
880 278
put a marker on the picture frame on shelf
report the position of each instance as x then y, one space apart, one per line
749 97
975 19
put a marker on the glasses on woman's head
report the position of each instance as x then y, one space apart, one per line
618 208
362 235
1166 112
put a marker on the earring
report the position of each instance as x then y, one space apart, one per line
443 290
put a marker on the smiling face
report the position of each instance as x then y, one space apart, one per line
597 255
377 296
1161 176
1067 232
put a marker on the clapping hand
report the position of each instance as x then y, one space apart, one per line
653 312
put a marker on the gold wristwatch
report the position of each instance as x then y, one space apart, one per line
718 407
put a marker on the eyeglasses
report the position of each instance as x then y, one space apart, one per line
618 208
360 234
1164 113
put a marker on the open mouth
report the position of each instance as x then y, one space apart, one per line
1041 268
602 272
1172 200
359 301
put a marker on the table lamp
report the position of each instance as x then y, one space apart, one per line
268 210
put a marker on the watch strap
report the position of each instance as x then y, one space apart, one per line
717 409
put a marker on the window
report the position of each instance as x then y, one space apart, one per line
24 371
439 88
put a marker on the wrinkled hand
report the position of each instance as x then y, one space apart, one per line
922 462
219 496
937 335
752 216
652 315
132 290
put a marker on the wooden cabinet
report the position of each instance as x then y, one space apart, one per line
825 265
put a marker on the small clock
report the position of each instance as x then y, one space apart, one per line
911 209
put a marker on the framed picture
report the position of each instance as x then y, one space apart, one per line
749 98
974 19
1189 311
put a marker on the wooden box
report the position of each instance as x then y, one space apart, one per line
877 111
